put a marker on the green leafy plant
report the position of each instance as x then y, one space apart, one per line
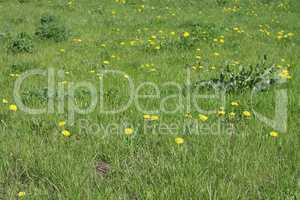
22 43
51 28
259 77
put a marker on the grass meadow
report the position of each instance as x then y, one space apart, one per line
156 55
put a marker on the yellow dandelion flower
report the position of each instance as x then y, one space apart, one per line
285 74
186 34
13 107
280 33
128 131
235 103
247 114
21 194
172 33
106 62
152 42
203 118
5 101
179 140
66 133
221 112
61 123
274 134
77 40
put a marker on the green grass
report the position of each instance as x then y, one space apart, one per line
211 164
